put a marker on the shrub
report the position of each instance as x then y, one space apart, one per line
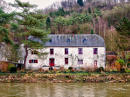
100 69
127 70
122 70
50 68
70 68
118 66
121 61
128 65
12 68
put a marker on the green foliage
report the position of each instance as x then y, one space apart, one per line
48 22
75 19
31 24
89 10
121 61
92 32
5 19
12 68
80 2
127 71
124 27
60 12
128 65
97 12
14 27
113 16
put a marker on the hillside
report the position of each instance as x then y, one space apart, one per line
107 18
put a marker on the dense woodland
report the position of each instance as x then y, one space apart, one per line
107 18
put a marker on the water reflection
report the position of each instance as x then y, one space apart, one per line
65 90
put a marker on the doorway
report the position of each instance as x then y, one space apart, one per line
52 62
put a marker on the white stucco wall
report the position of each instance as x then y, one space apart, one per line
59 55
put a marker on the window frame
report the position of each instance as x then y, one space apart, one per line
51 51
66 61
80 61
66 51
95 51
33 61
80 51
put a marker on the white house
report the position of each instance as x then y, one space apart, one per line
68 50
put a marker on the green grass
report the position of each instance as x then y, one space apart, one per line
127 71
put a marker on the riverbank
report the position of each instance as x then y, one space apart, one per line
64 77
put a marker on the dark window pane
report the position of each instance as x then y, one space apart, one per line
30 61
66 50
95 51
80 61
51 51
35 61
80 51
66 60
68 40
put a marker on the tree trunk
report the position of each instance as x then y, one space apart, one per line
26 55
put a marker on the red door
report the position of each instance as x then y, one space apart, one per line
52 62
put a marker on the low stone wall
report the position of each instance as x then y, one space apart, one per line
63 78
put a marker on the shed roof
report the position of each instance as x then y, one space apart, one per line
74 40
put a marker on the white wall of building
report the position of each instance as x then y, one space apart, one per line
73 56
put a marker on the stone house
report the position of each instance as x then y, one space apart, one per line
68 50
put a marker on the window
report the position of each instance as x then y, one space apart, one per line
66 61
33 61
52 62
80 61
95 51
51 51
66 51
50 40
85 41
68 40
80 51
95 63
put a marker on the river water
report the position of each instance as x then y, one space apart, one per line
65 90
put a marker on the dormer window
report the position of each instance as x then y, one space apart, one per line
68 40
84 41
50 40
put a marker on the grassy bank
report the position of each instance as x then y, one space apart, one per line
64 77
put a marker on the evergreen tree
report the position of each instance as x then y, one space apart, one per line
5 19
7 37
48 22
31 24
89 10
60 12
92 32
80 2
124 27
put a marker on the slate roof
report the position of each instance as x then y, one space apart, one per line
74 40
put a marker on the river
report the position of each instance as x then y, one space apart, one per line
65 90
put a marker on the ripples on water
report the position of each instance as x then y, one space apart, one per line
65 90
